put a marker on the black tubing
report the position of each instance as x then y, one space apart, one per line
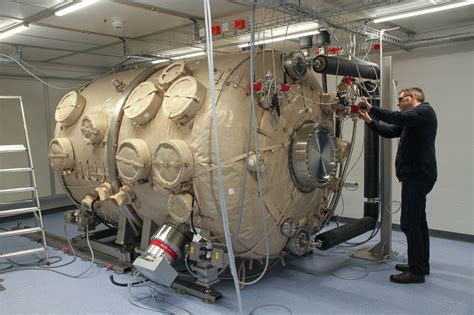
344 67
371 146
371 209
344 233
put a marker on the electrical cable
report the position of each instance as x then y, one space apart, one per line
41 80
253 121
252 312
153 289
20 268
225 218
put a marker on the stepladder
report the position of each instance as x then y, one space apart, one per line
18 186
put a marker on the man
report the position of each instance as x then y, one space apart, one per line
415 166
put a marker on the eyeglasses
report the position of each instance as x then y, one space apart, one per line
402 97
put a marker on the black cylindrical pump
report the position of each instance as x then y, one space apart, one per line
344 67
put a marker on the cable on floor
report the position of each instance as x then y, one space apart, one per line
252 312
43 268
153 289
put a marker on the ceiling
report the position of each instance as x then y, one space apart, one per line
86 41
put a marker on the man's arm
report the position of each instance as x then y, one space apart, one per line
411 117
385 131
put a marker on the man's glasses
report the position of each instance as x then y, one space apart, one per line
401 98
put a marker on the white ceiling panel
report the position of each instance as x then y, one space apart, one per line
35 54
91 60
98 18
70 36
219 8
6 22
26 39
22 9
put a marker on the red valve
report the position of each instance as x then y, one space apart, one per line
354 109
285 87
347 80
257 86
338 111
376 46
216 30
239 24
333 50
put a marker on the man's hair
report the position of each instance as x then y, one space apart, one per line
416 92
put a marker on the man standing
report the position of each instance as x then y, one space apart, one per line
415 166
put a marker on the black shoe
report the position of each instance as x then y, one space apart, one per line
405 268
407 277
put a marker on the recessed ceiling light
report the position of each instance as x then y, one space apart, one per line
13 30
425 11
75 7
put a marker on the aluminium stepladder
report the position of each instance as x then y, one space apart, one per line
33 189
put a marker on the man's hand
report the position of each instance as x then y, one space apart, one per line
364 115
364 105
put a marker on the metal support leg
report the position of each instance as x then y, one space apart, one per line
383 250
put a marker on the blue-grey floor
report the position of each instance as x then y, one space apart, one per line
315 284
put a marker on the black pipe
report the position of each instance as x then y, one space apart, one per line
344 67
344 233
371 146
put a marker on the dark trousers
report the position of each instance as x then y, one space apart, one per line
413 224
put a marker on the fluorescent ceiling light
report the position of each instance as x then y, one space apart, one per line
159 61
75 7
196 54
279 39
13 30
425 11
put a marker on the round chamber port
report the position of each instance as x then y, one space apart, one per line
93 128
173 163
183 99
172 73
133 160
312 156
61 154
180 207
70 108
143 103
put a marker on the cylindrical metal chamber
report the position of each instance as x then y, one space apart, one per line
140 142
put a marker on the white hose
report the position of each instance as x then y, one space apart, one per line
220 181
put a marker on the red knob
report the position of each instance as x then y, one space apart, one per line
239 24
216 30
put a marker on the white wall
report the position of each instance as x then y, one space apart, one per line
39 102
445 73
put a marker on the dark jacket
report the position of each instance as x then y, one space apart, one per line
416 127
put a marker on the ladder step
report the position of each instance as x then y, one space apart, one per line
6 213
20 232
12 148
16 170
11 203
17 190
23 252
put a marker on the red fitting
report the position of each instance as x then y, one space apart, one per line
239 24
333 50
257 86
165 248
347 80
66 250
354 109
216 30
109 267
338 111
285 87
376 46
